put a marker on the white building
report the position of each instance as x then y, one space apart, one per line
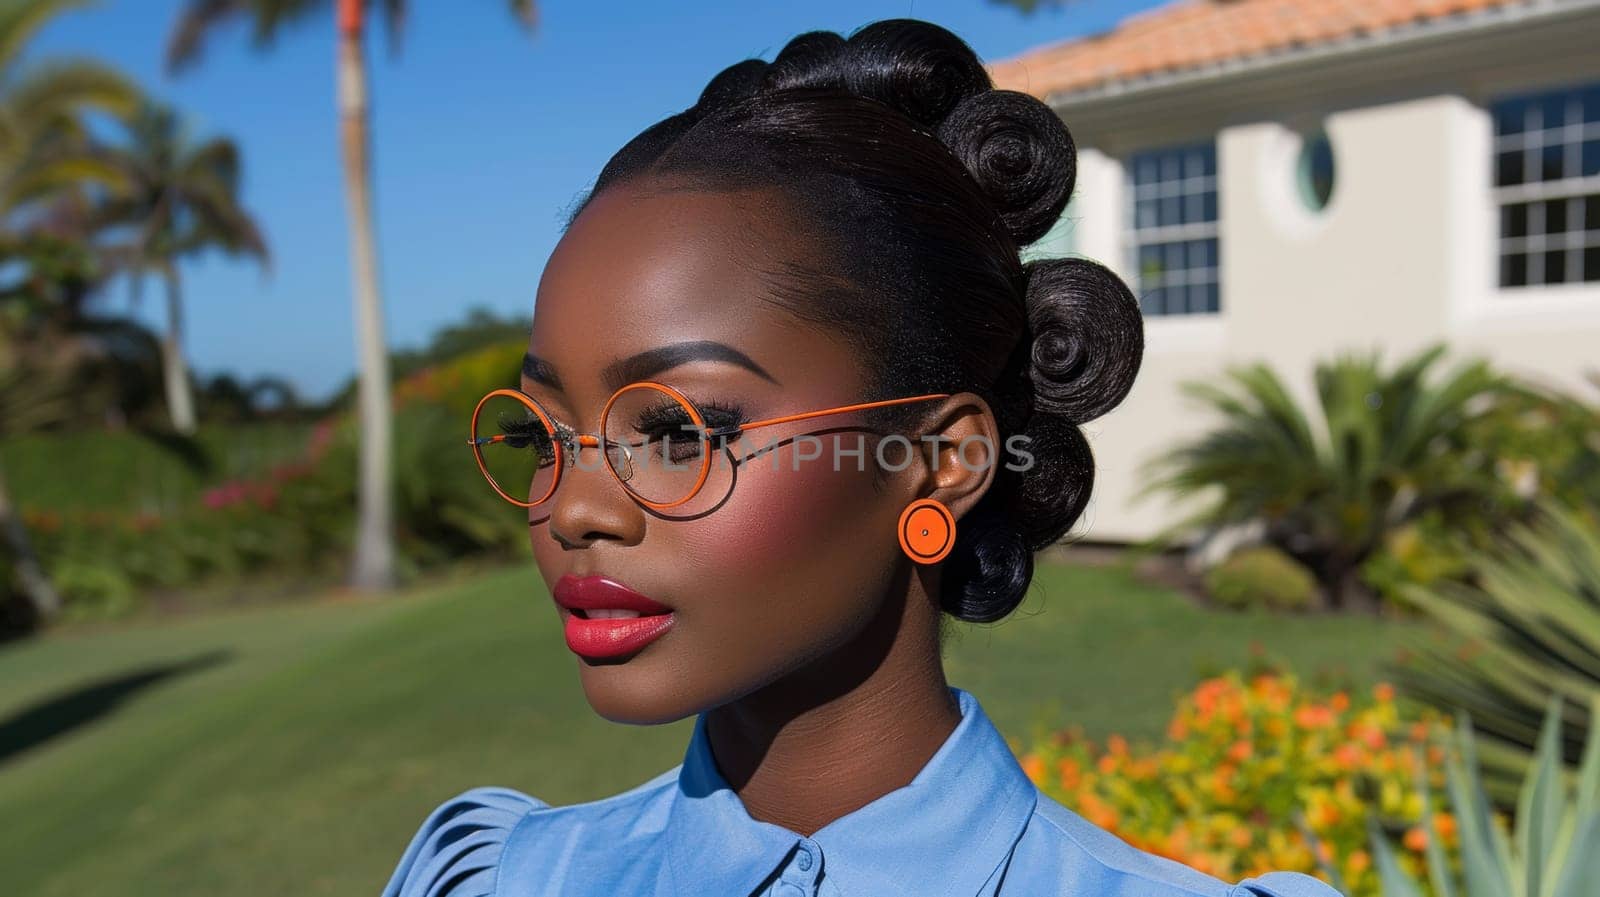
1297 178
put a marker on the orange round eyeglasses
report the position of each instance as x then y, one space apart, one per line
655 441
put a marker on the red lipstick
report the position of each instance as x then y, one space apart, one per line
606 619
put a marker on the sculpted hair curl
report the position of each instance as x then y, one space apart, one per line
918 183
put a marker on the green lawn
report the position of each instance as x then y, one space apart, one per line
294 749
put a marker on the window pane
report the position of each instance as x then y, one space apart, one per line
1508 168
1555 267
1591 158
1591 103
1150 302
1591 213
1146 213
1169 212
1193 212
1509 116
1514 220
1206 250
1553 110
1173 257
1513 270
1208 209
1555 216
1591 263
1149 263
1550 162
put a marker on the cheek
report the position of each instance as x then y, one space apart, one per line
781 520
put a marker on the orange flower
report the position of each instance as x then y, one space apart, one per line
1117 745
1033 765
1313 716
1071 773
1445 825
1373 737
1340 702
1416 839
1384 692
1347 756
1240 751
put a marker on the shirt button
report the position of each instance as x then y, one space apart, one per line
804 860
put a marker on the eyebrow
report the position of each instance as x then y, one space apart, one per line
648 363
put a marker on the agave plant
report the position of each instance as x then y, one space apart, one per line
1390 446
1553 849
1526 630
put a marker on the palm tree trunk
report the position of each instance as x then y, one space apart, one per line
36 587
175 372
374 560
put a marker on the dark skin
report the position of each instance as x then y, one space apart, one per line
802 629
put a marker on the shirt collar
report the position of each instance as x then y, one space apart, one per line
945 833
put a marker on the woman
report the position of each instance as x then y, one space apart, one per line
791 400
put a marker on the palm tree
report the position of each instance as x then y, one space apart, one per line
374 560
43 146
43 143
179 199
1391 447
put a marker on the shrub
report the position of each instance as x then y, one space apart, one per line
286 513
1254 775
1528 630
1392 444
1261 576
1554 850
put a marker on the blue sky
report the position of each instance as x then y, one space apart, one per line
483 135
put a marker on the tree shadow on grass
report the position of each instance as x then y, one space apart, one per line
53 717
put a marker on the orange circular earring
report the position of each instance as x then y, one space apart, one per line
927 531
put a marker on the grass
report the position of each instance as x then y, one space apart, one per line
295 748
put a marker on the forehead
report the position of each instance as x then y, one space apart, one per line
643 267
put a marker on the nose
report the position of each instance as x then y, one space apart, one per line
590 505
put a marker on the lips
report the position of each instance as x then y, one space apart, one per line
607 619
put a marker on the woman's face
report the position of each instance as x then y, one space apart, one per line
791 566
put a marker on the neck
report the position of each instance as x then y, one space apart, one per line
832 738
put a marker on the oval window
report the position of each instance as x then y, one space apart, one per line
1316 171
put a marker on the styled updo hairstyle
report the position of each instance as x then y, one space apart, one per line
918 183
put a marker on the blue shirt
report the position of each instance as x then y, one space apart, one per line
970 824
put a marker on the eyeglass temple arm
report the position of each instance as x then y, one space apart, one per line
730 430
586 440
583 439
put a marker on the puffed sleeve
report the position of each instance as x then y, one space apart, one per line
1284 884
457 851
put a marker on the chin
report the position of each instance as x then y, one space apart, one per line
626 692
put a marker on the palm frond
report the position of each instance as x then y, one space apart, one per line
50 87
20 20
199 18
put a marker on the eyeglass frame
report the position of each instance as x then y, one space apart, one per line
579 441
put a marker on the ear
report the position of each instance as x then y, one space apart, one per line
961 449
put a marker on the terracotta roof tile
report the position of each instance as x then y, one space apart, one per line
1193 33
